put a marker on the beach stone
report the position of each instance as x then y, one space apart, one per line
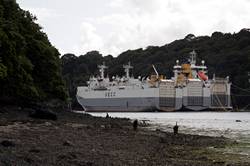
158 130
202 158
67 143
89 163
30 110
28 159
219 162
47 124
163 140
43 114
108 126
67 156
219 146
34 150
7 143
89 127
115 125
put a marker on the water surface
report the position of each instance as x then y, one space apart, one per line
228 124
234 125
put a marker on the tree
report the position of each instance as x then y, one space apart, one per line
30 67
225 54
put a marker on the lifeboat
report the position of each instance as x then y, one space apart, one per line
202 76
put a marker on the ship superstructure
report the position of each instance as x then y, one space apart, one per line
119 94
191 89
188 89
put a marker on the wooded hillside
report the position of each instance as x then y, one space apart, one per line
225 54
30 67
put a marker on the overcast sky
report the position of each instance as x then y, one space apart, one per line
114 26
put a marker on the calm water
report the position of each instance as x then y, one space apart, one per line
202 123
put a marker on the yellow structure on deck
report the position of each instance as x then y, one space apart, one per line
186 73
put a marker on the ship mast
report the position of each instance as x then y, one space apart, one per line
126 69
193 57
102 69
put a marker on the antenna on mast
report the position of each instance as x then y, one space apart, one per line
126 69
193 57
102 69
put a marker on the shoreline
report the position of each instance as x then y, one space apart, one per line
219 111
82 139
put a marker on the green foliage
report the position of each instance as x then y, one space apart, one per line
3 70
30 67
224 54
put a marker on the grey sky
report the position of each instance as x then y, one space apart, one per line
113 26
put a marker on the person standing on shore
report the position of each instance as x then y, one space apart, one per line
135 124
175 128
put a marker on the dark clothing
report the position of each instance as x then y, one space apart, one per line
135 124
175 128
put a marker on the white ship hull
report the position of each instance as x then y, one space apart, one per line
118 104
189 89
166 98
133 99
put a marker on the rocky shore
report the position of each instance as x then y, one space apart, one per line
84 140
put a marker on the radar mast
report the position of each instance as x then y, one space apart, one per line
126 69
193 57
102 69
